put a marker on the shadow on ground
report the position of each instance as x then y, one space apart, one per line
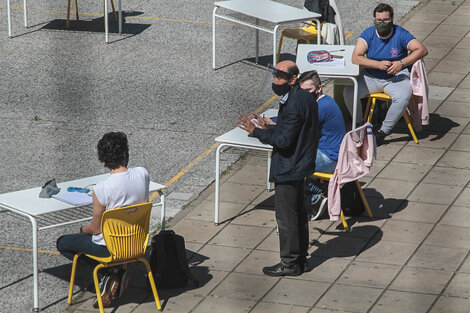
97 24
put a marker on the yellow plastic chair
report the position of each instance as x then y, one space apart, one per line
309 33
125 231
76 12
384 97
327 177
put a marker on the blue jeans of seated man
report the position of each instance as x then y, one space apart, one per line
69 245
322 164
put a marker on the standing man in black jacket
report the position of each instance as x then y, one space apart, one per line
294 139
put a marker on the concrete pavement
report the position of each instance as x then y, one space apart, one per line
412 256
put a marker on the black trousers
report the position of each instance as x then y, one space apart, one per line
291 218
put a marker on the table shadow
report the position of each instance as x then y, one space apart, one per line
96 25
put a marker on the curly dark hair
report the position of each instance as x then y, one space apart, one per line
384 7
113 150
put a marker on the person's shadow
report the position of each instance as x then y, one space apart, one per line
359 239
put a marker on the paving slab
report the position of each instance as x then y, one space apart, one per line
445 79
457 237
387 252
441 258
397 301
433 193
457 159
349 298
405 231
447 176
266 307
451 305
420 212
296 291
367 274
242 236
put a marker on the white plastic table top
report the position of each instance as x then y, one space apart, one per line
238 136
349 69
268 10
28 200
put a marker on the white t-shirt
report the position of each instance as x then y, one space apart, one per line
122 189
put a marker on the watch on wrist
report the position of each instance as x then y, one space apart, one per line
81 229
402 64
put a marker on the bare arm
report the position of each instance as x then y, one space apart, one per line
94 227
359 58
418 51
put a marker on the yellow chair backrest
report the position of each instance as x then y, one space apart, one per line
126 230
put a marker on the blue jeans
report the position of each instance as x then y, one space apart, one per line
69 245
324 164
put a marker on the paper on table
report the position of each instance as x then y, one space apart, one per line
334 62
74 198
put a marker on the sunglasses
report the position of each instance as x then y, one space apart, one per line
281 74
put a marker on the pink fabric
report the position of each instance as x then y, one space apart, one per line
351 165
418 104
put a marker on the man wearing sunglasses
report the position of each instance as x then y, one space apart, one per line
386 65
294 138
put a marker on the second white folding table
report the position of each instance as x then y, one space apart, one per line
56 213
267 10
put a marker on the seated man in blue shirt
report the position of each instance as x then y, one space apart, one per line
332 131
386 65
331 123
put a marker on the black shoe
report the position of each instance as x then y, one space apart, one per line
380 138
282 270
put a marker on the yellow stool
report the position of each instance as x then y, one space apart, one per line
327 177
384 97
308 34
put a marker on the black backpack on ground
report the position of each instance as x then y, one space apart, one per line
351 202
168 261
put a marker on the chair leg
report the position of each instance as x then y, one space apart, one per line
97 286
366 112
114 11
370 109
152 283
72 275
363 197
76 9
67 24
279 48
345 224
407 118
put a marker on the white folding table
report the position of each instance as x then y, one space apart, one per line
53 213
267 10
349 70
106 29
239 138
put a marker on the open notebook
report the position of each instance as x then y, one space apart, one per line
74 198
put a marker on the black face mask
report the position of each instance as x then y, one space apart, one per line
281 90
314 94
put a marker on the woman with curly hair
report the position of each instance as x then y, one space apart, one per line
125 186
